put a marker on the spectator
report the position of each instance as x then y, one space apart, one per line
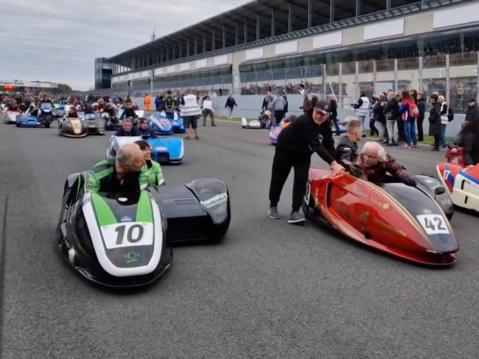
472 112
279 105
362 109
147 102
391 111
230 105
407 115
169 105
158 103
208 111
286 104
421 105
435 120
190 111
400 123
378 116
267 102
469 137
333 112
444 120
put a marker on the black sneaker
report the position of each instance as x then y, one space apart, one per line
296 218
273 213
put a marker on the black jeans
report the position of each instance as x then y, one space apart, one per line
278 116
402 135
207 112
420 132
282 164
372 127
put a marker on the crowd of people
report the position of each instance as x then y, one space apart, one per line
398 119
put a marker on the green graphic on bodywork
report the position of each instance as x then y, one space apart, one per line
143 210
103 211
131 257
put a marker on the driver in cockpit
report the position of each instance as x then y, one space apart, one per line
123 175
376 165
145 130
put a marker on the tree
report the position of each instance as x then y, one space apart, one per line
64 89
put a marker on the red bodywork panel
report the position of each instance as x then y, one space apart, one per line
368 214
455 156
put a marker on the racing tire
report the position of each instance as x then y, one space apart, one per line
17 124
47 125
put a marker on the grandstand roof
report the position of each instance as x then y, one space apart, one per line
265 21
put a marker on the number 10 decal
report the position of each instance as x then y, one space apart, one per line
134 234
127 234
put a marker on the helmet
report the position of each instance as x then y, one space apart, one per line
116 143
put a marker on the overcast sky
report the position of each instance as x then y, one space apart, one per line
57 41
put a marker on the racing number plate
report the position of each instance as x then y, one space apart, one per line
127 234
433 223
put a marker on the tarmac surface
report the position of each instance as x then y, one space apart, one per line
269 290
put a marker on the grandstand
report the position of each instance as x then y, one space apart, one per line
331 46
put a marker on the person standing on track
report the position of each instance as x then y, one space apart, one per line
230 105
208 111
169 105
309 133
147 102
190 111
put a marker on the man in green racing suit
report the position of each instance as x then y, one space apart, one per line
152 170
127 174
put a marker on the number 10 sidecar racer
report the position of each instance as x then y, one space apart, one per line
123 239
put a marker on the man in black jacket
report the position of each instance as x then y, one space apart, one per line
309 133
347 148
127 129
472 111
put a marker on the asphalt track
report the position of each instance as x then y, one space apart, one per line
270 290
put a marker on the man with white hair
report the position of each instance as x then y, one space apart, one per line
377 166
122 176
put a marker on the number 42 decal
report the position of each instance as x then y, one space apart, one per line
433 224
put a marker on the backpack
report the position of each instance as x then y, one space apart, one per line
450 114
413 110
